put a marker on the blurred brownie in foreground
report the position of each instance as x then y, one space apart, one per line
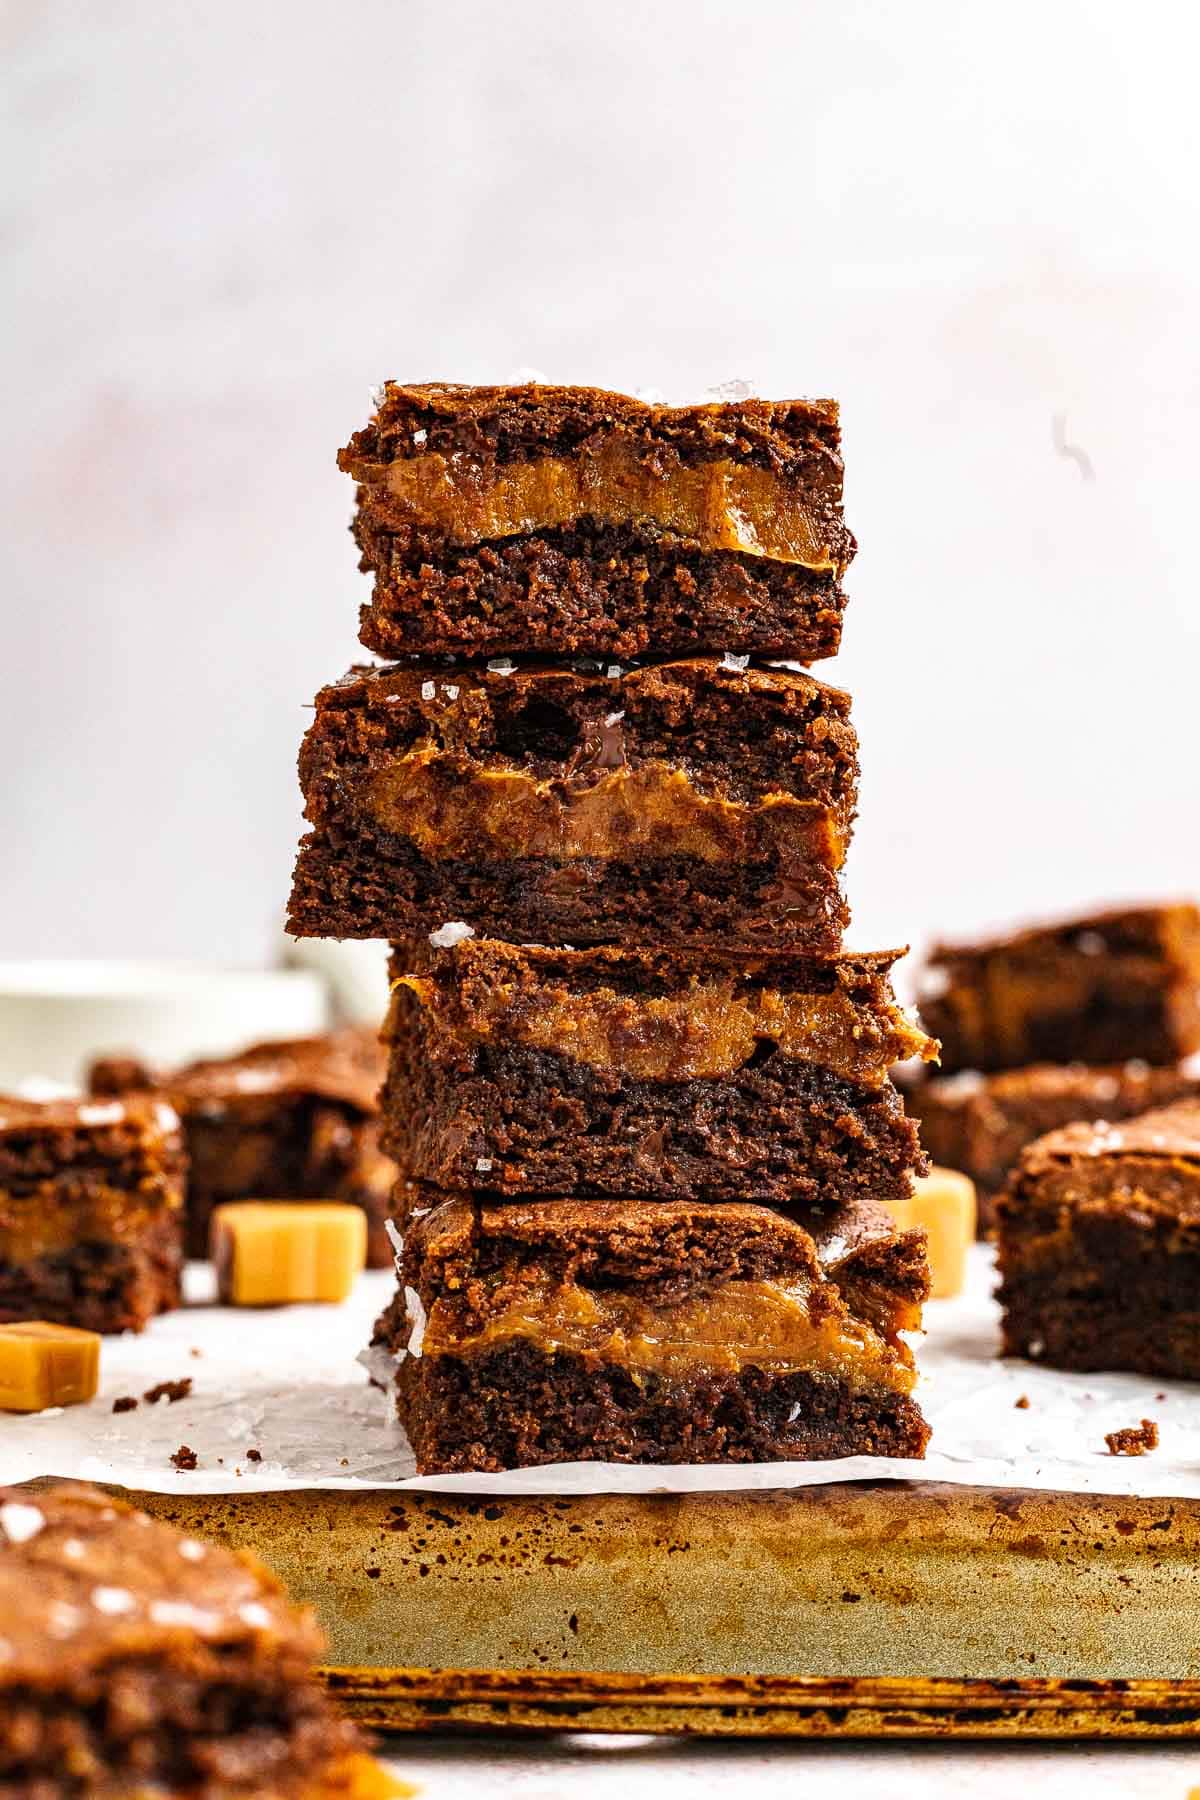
981 1123
91 1211
1098 1236
135 1661
567 520
654 1332
1118 985
700 801
669 1074
294 1120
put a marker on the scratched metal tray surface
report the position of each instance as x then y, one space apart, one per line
859 1610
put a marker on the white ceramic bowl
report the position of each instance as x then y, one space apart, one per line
55 1016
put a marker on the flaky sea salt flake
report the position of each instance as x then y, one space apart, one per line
454 931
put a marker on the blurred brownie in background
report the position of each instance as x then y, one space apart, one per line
1098 1246
295 1120
534 519
91 1211
981 1123
1102 989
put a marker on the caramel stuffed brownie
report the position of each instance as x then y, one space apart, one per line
981 1123
533 520
682 1073
294 1120
91 1197
136 1662
669 1332
1102 989
1098 1246
696 801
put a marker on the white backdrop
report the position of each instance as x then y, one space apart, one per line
224 223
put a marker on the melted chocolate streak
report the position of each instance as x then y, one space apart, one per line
601 746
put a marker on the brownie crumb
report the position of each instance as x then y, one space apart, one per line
169 1391
1022 1402
1133 1440
253 1455
184 1458
124 1403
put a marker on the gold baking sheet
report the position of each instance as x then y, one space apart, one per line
860 1610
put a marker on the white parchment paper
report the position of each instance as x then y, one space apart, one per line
286 1383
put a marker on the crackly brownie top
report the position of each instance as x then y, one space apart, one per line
85 1581
671 1245
1091 1084
759 477
345 1067
512 422
659 1015
1169 1134
1119 931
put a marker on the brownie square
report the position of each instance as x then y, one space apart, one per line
1098 1246
695 801
136 1661
91 1197
669 1332
294 1120
533 520
672 1073
981 1123
1101 989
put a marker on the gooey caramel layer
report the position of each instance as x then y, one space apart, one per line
708 1030
450 811
760 1324
724 505
47 1220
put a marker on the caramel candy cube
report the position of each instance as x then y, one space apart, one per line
944 1203
273 1252
45 1365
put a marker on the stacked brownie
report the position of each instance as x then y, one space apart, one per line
638 1090
1091 1019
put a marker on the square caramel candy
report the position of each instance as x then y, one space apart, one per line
275 1252
44 1365
944 1203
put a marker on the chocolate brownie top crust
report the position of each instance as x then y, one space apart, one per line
663 1016
1167 1139
85 1581
345 1067
759 477
1119 931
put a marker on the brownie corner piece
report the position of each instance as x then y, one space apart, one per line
690 801
1098 1246
536 519
139 1660
91 1196
664 1332
1101 988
